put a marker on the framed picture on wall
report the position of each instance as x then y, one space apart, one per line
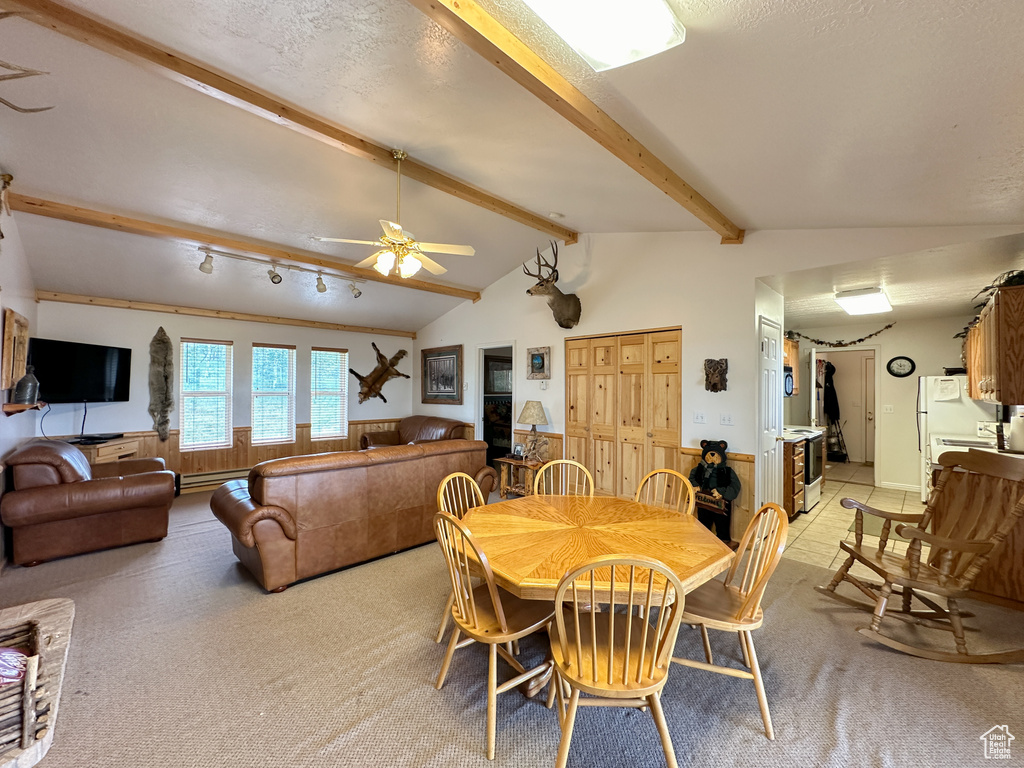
538 363
441 375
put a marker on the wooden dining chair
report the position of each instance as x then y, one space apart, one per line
977 501
666 488
457 494
486 614
563 477
619 657
734 605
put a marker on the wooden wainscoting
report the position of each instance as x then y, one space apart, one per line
554 439
743 464
243 455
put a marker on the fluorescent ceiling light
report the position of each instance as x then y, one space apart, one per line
866 301
610 33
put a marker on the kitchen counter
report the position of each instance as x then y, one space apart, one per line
794 434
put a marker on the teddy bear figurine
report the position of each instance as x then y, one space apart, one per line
716 486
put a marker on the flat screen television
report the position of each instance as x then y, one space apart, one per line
70 372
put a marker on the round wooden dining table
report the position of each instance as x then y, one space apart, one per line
532 541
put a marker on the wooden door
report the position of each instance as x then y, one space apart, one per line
603 373
664 402
577 401
631 417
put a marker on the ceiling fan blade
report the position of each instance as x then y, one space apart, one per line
392 230
430 265
369 261
344 240
455 250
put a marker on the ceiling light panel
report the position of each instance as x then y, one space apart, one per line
611 33
865 301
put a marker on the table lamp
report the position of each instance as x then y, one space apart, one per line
532 414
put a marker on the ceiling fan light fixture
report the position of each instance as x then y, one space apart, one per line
606 35
207 266
321 287
385 262
409 265
863 301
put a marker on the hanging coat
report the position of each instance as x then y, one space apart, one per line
830 399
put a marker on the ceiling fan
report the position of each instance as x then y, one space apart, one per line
398 247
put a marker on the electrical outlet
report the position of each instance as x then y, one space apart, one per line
887 409
699 417
725 419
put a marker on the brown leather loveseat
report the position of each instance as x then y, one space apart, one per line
306 515
415 429
61 505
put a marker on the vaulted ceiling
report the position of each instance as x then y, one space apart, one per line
782 114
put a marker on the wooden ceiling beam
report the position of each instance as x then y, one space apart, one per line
180 232
92 32
468 22
173 309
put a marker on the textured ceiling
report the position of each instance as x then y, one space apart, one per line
784 114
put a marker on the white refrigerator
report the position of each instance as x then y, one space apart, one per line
945 411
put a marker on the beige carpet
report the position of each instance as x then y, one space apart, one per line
179 659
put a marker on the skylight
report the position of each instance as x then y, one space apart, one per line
610 33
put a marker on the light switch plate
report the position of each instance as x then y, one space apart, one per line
699 417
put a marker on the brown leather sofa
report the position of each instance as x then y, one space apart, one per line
415 429
61 505
306 515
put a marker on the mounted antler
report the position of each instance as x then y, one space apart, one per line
565 307
19 72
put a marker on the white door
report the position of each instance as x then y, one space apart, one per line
768 484
812 389
869 409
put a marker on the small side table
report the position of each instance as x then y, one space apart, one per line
515 477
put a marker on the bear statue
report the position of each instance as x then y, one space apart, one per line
716 485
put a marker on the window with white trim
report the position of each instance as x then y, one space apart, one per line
328 393
205 389
273 394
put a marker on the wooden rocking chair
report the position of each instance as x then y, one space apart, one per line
977 500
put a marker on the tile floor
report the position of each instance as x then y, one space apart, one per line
814 536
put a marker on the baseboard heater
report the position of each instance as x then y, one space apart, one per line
205 481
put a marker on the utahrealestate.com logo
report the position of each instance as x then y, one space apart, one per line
997 742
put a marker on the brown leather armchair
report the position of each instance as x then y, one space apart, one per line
61 505
415 429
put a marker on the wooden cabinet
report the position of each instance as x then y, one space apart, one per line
623 407
994 350
793 478
112 450
791 357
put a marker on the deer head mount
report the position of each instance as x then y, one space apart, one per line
565 307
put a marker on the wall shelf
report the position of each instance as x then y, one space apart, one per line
10 408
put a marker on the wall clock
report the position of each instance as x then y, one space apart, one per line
900 366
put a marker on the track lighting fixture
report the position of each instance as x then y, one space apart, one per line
356 293
207 266
274 277
321 287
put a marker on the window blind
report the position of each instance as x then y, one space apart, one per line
328 393
273 394
205 394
